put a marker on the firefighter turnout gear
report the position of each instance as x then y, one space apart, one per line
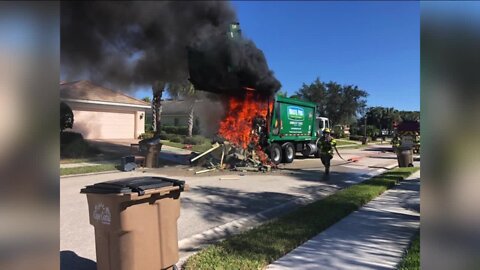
326 145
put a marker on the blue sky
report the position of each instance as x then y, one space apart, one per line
374 45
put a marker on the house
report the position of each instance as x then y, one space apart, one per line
102 113
207 113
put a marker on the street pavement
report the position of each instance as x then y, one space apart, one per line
374 237
217 204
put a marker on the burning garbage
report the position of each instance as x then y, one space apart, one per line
240 142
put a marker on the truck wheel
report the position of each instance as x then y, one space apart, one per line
275 153
288 152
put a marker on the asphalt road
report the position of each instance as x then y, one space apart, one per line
213 202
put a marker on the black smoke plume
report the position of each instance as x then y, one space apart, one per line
130 44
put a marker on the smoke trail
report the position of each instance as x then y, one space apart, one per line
129 44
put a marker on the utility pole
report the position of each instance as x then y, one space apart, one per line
365 130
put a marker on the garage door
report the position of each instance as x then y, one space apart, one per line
104 125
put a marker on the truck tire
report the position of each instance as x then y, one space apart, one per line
288 152
275 153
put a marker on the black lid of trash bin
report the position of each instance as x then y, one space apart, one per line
150 141
129 185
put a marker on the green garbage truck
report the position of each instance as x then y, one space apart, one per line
293 126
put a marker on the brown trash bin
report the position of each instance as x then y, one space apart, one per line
135 222
151 155
404 156
151 149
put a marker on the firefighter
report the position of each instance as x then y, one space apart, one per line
326 145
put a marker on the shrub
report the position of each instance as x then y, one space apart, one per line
195 140
146 135
72 145
180 130
338 132
356 137
163 136
68 137
76 149
176 139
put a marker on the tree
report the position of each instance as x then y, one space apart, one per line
157 88
185 90
147 99
66 116
382 117
340 103
283 93
315 92
410 115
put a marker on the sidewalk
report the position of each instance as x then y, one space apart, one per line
374 237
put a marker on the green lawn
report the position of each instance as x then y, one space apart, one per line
89 169
196 148
258 247
346 142
411 259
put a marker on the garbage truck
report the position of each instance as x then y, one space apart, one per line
292 126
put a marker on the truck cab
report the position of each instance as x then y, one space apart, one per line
323 123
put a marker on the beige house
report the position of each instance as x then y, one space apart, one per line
208 114
102 113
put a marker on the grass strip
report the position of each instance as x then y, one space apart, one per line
346 142
196 148
89 169
258 247
411 259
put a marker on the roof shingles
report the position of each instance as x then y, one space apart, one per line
86 90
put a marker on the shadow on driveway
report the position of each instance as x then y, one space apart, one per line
69 260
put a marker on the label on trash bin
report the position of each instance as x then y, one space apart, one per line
101 214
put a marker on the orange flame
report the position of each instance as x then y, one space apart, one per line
237 125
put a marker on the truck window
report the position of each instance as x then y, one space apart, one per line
320 124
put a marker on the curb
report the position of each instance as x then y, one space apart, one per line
87 174
197 242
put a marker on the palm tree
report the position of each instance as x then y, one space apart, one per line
157 88
185 90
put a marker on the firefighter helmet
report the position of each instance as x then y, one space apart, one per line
327 130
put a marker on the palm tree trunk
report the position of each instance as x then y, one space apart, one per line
157 88
190 119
